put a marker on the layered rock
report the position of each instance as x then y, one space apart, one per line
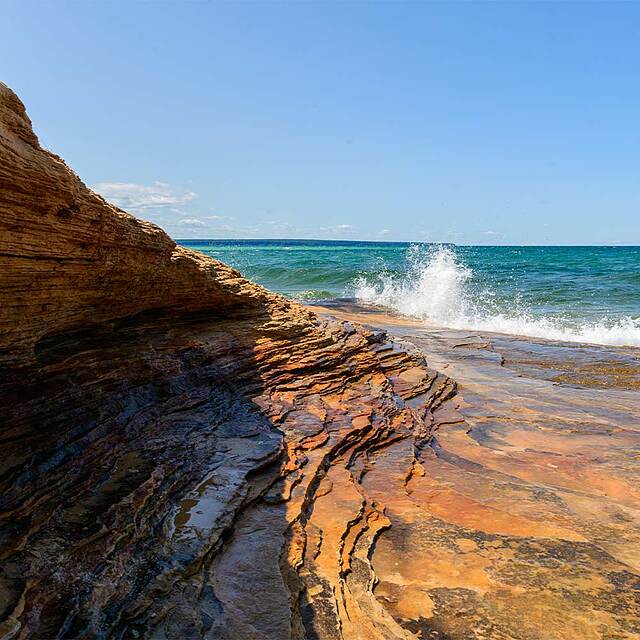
186 455
183 453
521 518
69 259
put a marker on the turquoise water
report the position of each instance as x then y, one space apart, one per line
570 293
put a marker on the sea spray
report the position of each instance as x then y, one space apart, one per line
583 294
438 287
433 286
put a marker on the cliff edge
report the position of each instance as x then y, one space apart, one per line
69 259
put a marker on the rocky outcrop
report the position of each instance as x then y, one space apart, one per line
183 453
186 455
521 517
69 259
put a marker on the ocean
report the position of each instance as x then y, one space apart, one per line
581 294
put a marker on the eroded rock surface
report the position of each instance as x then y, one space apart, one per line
522 516
69 259
183 453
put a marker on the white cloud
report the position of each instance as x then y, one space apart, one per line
490 233
384 232
338 228
140 197
191 222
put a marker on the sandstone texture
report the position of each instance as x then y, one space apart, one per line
186 455
522 517
182 451
68 259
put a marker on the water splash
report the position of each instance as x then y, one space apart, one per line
437 287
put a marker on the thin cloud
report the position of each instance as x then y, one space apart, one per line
338 228
141 197
191 222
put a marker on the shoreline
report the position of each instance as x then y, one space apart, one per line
559 293
386 316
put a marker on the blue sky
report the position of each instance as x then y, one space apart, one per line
487 123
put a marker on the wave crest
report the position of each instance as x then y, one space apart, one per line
437 287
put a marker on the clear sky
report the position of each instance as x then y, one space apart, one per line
475 123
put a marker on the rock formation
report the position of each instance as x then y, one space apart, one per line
182 451
186 455
521 519
68 259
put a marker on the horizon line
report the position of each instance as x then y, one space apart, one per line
409 242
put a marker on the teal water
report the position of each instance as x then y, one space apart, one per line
587 294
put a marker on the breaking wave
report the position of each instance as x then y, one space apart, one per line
437 287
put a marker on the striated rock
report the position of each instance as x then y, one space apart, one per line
521 517
68 259
182 451
186 455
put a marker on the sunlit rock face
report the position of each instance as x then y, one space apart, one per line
68 259
185 455
521 518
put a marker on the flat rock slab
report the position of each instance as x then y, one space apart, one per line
523 520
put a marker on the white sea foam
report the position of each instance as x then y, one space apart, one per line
437 287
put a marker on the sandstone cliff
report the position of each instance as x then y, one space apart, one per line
69 259
183 453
